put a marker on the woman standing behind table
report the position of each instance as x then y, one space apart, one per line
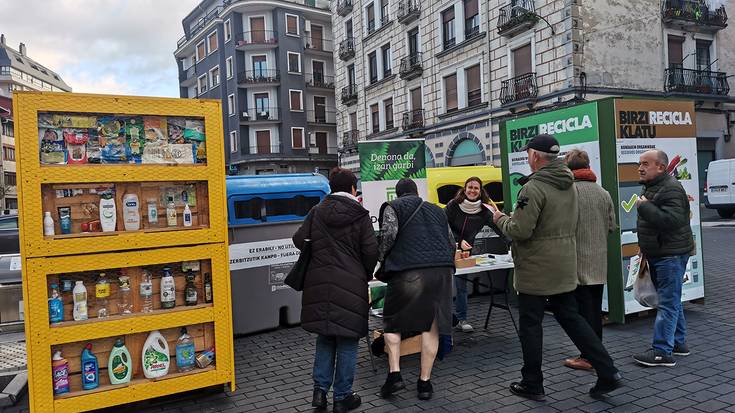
416 252
335 306
467 214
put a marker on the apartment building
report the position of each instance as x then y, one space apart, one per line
410 68
18 72
547 54
271 65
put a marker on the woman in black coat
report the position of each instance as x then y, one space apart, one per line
335 305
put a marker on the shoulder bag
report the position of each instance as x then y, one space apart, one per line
295 277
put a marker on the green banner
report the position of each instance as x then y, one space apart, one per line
392 160
569 126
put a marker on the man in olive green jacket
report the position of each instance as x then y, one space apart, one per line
543 228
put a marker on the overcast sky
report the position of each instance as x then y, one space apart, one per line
101 46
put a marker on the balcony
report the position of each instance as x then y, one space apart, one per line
256 40
349 141
319 81
411 66
187 77
517 17
199 25
408 11
260 115
319 4
322 117
344 7
264 149
319 46
347 49
413 120
696 82
322 150
519 89
693 15
349 95
259 77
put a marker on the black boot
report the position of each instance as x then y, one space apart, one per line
393 383
424 389
319 400
604 386
350 402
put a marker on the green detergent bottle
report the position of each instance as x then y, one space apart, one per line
120 365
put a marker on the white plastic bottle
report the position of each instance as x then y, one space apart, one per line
79 294
131 212
48 224
156 358
171 218
187 216
108 213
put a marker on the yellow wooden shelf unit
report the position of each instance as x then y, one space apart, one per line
45 257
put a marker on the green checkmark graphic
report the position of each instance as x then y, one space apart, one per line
628 206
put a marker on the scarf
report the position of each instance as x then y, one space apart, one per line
585 174
347 195
469 207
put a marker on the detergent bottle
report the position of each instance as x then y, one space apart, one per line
120 365
155 356
90 369
55 305
185 352
60 371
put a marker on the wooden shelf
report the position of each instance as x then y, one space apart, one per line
132 316
115 233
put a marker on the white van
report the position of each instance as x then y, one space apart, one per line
719 189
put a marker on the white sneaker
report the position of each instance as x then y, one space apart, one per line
464 327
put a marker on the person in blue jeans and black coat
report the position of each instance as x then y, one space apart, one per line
666 241
335 305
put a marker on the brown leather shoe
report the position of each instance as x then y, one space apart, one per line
578 363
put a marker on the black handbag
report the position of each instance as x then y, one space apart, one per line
295 277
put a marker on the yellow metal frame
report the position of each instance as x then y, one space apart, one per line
42 256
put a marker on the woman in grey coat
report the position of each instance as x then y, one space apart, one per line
596 221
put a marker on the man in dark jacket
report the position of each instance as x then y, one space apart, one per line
543 228
335 306
665 239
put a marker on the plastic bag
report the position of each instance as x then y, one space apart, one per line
643 289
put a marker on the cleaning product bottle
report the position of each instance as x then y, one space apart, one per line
55 305
131 212
102 292
65 220
187 216
168 289
185 352
190 294
48 224
207 287
146 292
124 304
152 212
60 373
119 366
108 212
80 301
90 369
171 218
155 356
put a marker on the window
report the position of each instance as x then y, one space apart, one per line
263 141
260 67
676 51
471 18
348 29
450 93
375 117
228 31
11 203
233 141
214 77
388 109
448 27
212 42
522 62
292 24
294 62
262 105
386 60
351 75
297 138
8 129
474 90
8 153
231 104
703 55
201 51
202 84
10 179
228 67
373 67
383 12
413 42
295 100
370 17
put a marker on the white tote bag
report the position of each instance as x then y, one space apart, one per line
643 289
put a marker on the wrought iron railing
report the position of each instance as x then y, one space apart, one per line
254 37
411 66
694 11
265 149
518 88
347 48
349 95
260 114
319 80
413 120
516 13
703 82
319 45
259 76
408 10
344 7
323 117
349 140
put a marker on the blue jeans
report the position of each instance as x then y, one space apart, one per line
344 351
460 300
670 328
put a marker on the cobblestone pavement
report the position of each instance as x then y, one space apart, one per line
274 368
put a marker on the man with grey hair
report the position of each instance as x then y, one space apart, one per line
544 230
666 241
